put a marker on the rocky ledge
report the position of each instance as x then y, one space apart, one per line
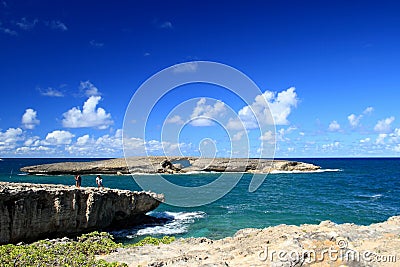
169 165
326 244
32 211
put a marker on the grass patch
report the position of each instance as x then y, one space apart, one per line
79 252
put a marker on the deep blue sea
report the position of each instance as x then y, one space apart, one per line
361 191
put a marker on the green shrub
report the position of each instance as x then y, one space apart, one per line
70 253
153 241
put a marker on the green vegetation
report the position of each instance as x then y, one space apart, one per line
80 252
153 241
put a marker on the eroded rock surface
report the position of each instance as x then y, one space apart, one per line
32 211
326 244
169 165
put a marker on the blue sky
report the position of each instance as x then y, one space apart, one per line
70 68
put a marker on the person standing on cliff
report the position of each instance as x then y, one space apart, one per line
99 182
78 180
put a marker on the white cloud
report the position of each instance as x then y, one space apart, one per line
267 136
354 120
32 141
58 137
397 148
176 119
29 119
83 140
331 146
89 116
380 140
384 126
11 136
203 114
280 106
185 67
51 92
334 126
368 110
89 89
57 25
26 25
365 140
238 136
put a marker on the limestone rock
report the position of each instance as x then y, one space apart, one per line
32 211
159 164
326 244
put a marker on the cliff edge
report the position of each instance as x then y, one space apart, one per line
32 211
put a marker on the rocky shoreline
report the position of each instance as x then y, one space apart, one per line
325 244
171 165
29 212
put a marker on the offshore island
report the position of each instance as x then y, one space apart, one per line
170 165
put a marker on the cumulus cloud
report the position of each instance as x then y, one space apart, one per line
10 136
176 119
58 137
280 106
89 89
368 110
51 92
354 120
267 136
334 126
29 119
203 114
89 116
380 140
384 126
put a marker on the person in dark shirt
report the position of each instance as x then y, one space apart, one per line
78 180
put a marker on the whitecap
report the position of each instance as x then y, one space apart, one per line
375 196
178 223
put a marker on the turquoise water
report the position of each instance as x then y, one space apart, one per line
361 191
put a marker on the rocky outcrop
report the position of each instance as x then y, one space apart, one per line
32 211
326 244
169 165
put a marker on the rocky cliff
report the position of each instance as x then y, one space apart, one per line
169 165
32 211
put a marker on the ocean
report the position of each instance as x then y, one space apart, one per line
347 190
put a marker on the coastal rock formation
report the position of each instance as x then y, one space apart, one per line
326 244
169 165
32 211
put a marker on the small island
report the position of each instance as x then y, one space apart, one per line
170 165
